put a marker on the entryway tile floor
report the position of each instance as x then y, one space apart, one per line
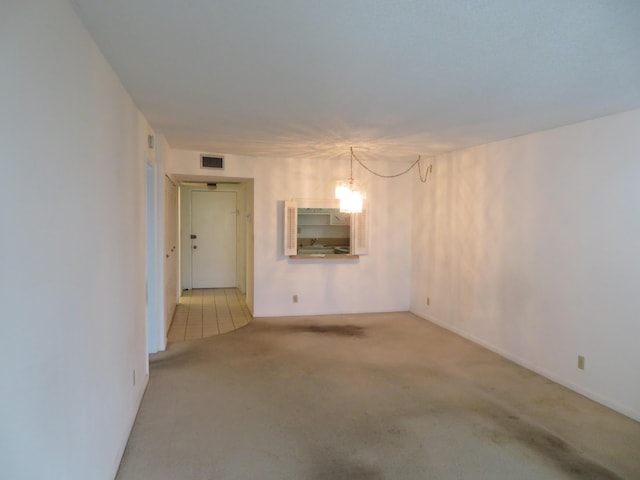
205 312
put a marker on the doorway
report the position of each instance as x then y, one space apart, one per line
241 259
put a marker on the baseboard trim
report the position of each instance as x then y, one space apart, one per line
596 397
132 420
331 312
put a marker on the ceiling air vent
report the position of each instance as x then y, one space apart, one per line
208 161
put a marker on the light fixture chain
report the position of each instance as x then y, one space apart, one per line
423 179
428 171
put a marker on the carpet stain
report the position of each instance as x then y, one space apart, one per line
562 454
337 330
549 446
336 468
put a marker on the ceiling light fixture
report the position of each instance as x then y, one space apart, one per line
352 194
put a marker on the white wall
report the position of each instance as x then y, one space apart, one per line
375 282
72 277
530 246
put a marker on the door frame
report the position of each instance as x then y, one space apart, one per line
151 244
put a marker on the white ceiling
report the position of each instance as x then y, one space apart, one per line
394 79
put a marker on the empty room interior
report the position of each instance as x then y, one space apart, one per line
320 240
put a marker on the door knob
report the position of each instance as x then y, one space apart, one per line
195 246
193 237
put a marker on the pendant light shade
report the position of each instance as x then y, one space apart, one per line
350 193
352 202
342 188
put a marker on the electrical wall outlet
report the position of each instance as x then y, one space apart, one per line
295 299
580 362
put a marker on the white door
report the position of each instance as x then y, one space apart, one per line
213 239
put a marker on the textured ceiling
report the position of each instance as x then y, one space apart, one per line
394 79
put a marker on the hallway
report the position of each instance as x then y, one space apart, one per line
206 312
367 396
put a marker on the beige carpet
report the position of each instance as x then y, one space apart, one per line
383 396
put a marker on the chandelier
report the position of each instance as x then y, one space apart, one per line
350 193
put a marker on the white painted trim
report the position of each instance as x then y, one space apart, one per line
161 337
151 247
156 336
326 312
290 240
